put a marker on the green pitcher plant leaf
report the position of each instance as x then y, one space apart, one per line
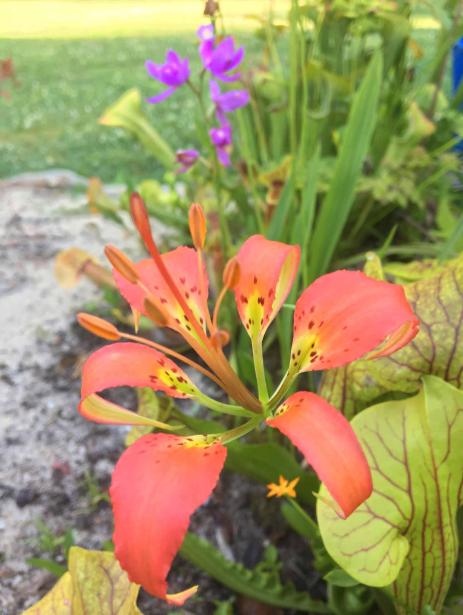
127 113
404 536
94 583
436 298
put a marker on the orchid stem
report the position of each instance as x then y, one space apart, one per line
221 407
260 370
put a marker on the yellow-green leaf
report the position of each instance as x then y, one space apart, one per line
58 601
94 584
437 300
100 584
405 536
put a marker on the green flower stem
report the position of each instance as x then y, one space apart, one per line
221 407
281 390
239 432
260 370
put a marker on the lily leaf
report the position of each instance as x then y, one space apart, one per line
405 535
95 583
437 349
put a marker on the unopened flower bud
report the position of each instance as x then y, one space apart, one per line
140 216
220 338
211 8
98 326
154 312
122 264
197 222
231 274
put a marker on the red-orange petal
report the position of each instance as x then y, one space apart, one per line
182 264
130 364
157 484
267 271
345 315
327 441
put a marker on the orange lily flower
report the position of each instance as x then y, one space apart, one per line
161 479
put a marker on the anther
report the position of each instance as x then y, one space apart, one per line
122 264
231 274
197 223
154 312
98 326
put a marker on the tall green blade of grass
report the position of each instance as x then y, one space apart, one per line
302 235
356 140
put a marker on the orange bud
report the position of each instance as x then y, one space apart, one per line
197 222
154 312
98 326
122 264
140 216
231 274
220 338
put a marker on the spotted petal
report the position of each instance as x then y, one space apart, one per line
182 264
157 484
267 271
329 444
344 315
128 364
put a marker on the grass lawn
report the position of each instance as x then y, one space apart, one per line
74 58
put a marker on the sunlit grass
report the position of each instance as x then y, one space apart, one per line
96 18
74 58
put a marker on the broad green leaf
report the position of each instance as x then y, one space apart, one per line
405 535
265 462
127 113
260 584
356 140
340 578
95 583
436 350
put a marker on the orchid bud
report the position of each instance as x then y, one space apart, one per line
197 222
231 274
122 264
98 326
154 312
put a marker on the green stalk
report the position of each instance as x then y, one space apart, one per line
221 407
238 432
281 390
260 370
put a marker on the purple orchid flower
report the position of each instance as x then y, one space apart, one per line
207 37
220 59
186 158
221 138
227 102
173 73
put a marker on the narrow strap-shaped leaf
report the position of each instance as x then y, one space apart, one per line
253 583
354 148
278 223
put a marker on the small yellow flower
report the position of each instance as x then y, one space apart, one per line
284 487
